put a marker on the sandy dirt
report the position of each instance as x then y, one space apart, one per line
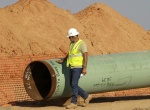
38 27
109 103
35 27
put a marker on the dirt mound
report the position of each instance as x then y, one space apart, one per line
111 32
33 27
148 32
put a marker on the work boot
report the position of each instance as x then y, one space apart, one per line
71 105
86 101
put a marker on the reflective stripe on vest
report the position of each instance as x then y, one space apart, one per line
75 57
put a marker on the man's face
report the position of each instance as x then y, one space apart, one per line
72 38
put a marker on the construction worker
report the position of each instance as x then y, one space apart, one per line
77 59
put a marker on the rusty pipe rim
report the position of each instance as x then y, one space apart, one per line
28 81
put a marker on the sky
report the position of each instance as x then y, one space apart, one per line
136 10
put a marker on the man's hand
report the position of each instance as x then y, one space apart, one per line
84 70
62 60
59 61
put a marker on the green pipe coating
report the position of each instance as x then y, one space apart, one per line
44 80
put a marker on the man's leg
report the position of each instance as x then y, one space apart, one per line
75 73
85 96
74 79
82 93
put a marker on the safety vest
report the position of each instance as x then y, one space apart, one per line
75 57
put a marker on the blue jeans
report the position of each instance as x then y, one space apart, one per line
74 80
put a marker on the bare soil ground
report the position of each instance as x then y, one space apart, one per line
107 103
38 27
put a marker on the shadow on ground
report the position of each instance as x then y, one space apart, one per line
60 102
113 99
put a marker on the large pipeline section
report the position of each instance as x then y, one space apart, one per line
111 72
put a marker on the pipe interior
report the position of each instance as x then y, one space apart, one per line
42 78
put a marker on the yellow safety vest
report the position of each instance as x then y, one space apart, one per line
75 57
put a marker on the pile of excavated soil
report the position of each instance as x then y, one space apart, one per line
148 32
38 27
110 32
35 27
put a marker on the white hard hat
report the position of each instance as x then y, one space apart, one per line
72 32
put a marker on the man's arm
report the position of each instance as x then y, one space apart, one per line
65 59
85 60
62 60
